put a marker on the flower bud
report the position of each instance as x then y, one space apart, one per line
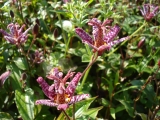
141 43
11 14
37 21
23 76
27 21
159 63
55 33
35 29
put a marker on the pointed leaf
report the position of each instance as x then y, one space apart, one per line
119 108
85 58
16 75
143 116
128 107
105 102
92 113
21 63
127 88
113 113
5 116
25 103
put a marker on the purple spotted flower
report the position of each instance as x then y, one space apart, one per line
37 57
59 95
16 35
103 35
149 11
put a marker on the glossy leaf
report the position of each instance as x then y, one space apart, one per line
113 113
16 75
128 107
21 63
25 103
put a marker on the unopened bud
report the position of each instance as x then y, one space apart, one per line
159 63
23 76
35 29
141 43
55 33
11 14
37 21
27 21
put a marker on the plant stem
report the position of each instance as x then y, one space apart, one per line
86 71
66 115
73 111
34 38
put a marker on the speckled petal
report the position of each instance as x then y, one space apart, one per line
73 84
77 98
45 87
112 34
4 33
11 40
49 103
84 36
112 43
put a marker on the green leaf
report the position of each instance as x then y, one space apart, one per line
128 107
112 110
134 54
5 116
105 102
21 63
148 91
25 103
92 113
85 58
125 89
110 89
143 116
16 75
119 108
116 79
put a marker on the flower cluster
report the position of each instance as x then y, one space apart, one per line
149 11
16 35
59 95
103 35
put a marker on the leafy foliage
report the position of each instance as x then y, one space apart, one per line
125 78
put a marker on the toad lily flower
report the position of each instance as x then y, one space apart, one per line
57 93
149 11
37 57
16 35
102 37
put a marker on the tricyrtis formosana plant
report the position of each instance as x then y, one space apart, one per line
79 60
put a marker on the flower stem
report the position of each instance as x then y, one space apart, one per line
73 111
86 71
34 39
66 115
